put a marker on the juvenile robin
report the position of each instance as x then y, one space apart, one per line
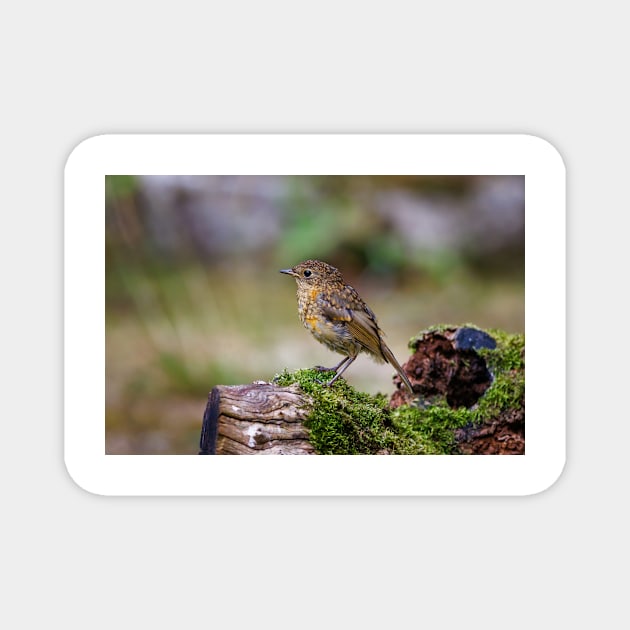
337 317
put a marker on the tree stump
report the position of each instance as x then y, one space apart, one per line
459 365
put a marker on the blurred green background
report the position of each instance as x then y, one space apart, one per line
194 297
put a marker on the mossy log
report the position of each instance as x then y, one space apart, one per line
469 387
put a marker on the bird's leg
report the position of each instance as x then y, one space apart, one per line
321 368
348 361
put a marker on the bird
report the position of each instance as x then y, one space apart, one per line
334 313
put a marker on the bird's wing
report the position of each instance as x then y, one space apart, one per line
366 331
333 310
360 320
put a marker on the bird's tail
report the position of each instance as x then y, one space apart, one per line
391 359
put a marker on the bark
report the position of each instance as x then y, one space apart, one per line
256 419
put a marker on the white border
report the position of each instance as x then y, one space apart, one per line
305 154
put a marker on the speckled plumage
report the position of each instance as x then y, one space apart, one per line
337 317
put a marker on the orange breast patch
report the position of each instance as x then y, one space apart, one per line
311 322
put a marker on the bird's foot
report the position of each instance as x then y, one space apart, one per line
327 383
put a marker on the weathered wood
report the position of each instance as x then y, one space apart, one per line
261 419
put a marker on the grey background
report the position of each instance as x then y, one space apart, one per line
73 70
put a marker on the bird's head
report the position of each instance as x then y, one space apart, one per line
312 271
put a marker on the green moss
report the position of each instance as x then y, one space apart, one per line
509 353
345 421
429 431
507 365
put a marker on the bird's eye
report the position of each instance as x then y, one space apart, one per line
307 273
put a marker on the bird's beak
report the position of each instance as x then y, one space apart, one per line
290 272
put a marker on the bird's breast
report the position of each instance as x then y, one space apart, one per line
332 334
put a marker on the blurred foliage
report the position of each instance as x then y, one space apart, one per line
118 187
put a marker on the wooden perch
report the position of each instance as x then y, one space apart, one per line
256 419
